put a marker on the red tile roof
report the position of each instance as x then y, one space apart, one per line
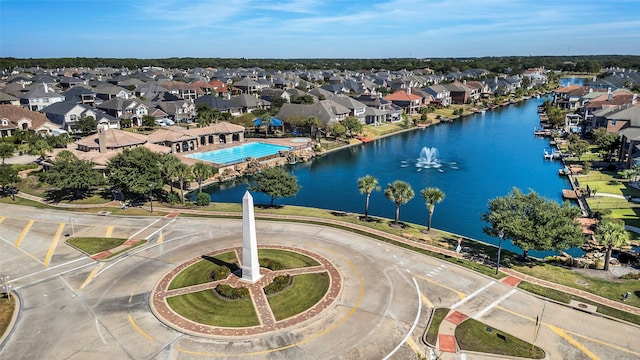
402 95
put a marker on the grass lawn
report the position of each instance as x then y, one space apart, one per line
6 312
473 335
305 291
200 272
565 298
95 245
206 307
288 259
603 287
432 333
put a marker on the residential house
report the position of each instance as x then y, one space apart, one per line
356 108
461 93
249 103
9 99
13 118
184 90
220 104
80 95
272 94
40 97
107 92
120 108
441 96
409 102
248 86
326 111
379 110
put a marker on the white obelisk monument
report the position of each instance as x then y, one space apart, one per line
250 266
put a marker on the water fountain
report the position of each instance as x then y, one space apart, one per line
428 158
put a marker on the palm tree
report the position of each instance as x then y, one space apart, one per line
367 185
432 196
168 164
183 173
6 150
611 233
399 192
201 172
40 147
266 121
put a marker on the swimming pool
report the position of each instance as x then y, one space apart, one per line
239 153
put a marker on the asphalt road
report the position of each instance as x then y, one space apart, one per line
77 308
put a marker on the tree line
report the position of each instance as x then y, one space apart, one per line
497 64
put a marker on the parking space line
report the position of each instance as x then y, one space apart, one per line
109 232
23 233
573 342
91 275
53 245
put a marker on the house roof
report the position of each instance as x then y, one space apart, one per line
15 113
115 138
61 108
402 95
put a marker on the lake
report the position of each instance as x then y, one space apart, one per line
481 157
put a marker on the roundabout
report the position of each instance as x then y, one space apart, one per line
268 321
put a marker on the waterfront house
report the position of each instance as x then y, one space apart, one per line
441 96
326 111
409 102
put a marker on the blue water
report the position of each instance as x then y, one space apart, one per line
236 154
482 157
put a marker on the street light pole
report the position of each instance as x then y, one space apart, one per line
500 236
73 229
7 287
151 196
13 188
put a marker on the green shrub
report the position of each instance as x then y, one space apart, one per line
232 293
271 264
173 198
220 273
203 199
279 283
630 276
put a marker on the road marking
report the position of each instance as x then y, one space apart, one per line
53 245
109 232
160 238
1 219
426 301
624 349
51 268
23 233
413 327
573 342
144 228
135 326
472 295
493 304
460 294
412 344
91 275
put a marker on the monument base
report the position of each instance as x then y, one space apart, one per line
249 275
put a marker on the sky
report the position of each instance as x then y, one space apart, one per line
317 29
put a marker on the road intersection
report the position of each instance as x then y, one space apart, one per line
75 307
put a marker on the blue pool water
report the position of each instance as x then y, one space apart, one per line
239 153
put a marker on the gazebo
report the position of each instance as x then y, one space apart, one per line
274 122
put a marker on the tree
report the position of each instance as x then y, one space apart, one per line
399 192
367 185
201 171
6 150
183 173
276 183
338 130
605 140
40 147
432 196
133 170
72 176
168 168
612 234
148 121
8 176
579 148
86 124
353 125
532 222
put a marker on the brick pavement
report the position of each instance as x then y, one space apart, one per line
268 322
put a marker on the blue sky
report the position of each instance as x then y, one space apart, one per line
317 29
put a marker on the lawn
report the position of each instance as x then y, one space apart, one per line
288 259
305 291
605 288
473 335
200 272
565 298
95 245
206 307
434 326
6 312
